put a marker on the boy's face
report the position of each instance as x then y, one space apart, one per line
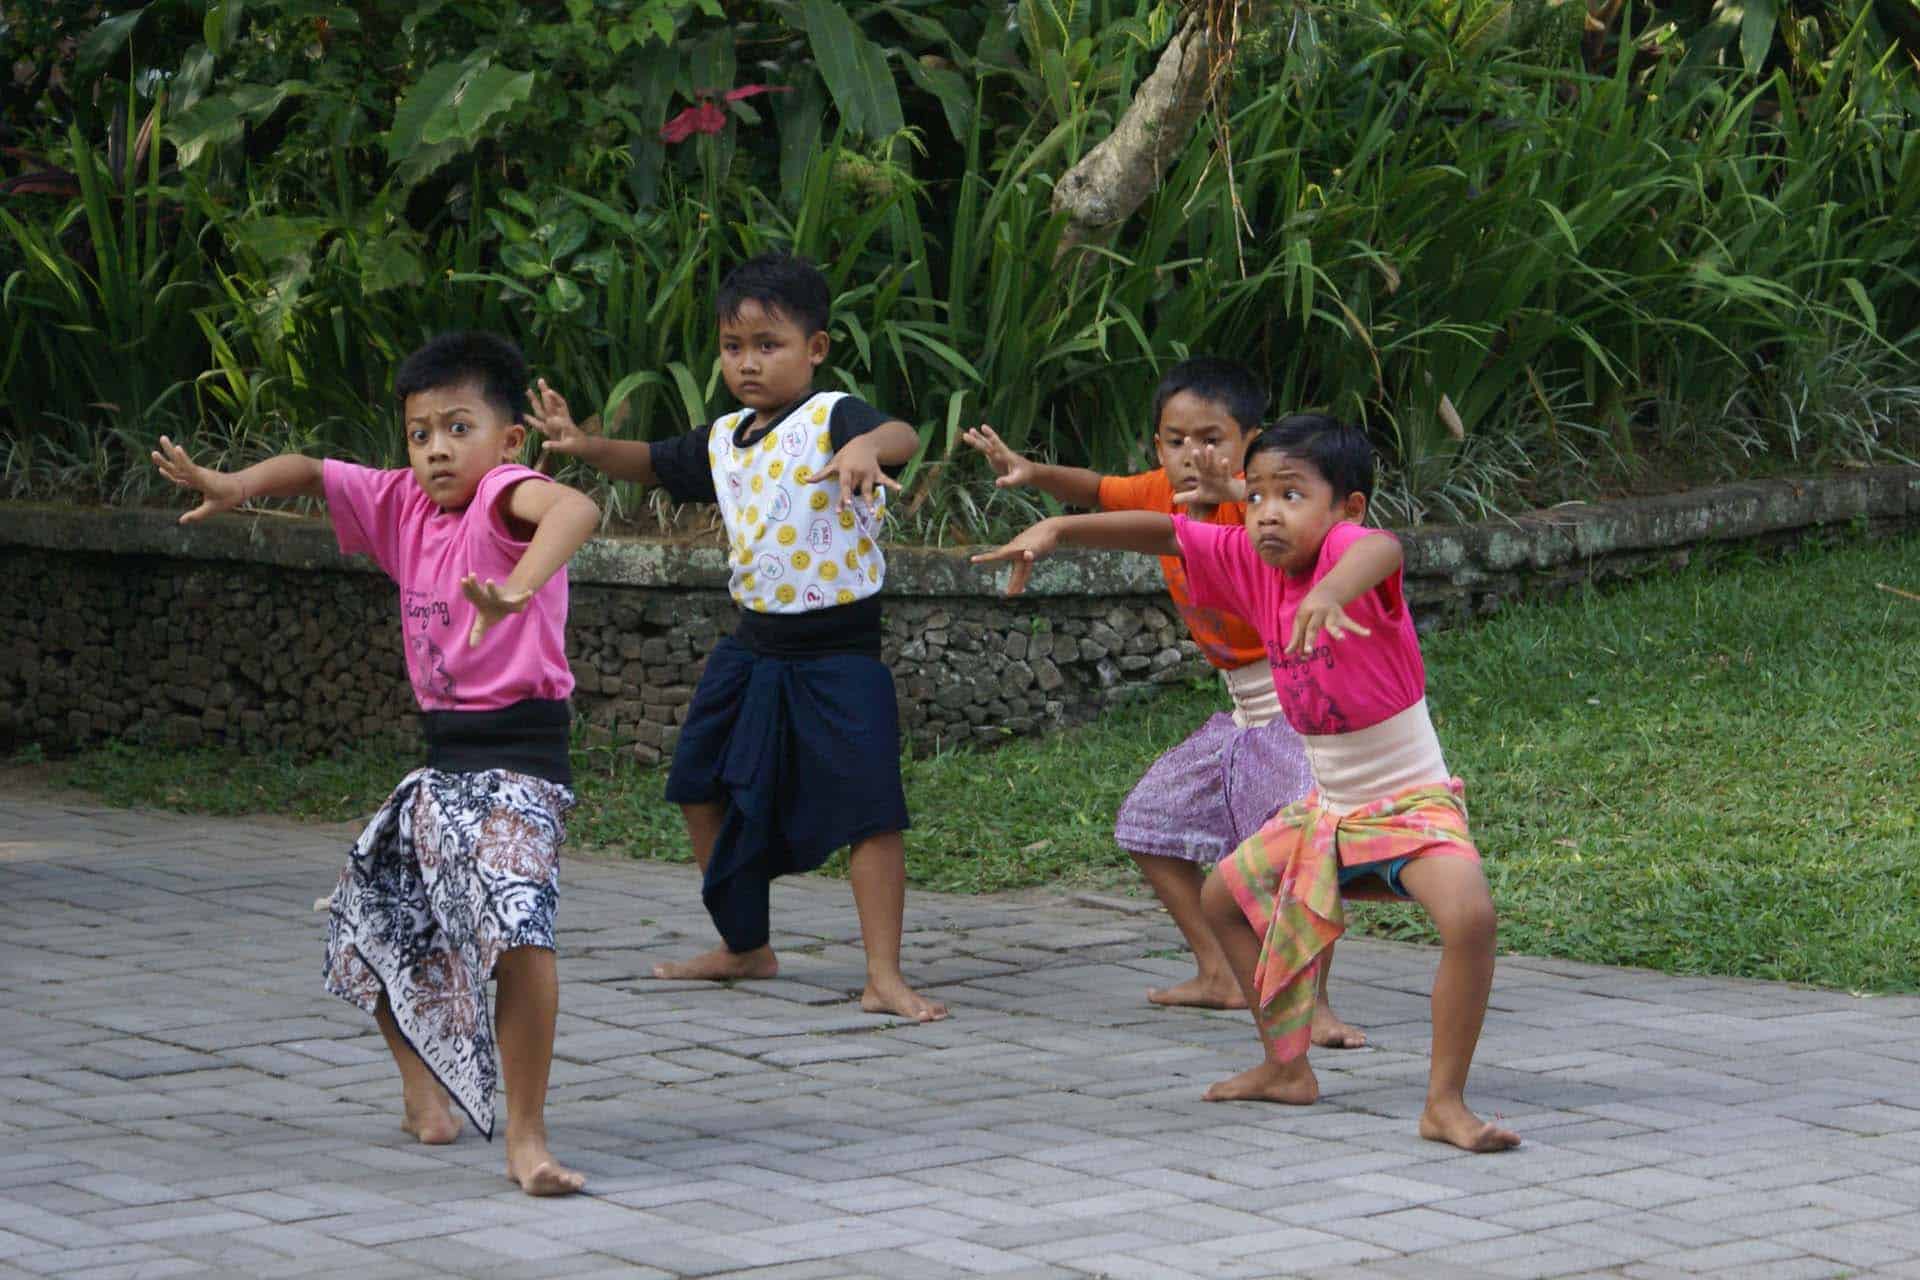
766 358
1290 508
454 437
1189 427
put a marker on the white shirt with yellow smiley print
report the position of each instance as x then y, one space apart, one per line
789 550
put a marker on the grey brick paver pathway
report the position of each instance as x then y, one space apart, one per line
182 1099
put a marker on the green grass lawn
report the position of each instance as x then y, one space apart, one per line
1713 771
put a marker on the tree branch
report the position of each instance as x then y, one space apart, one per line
1115 178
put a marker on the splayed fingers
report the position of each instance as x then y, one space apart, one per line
1009 468
219 491
549 414
1214 484
860 480
491 602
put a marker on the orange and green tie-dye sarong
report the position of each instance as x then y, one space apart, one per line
1286 878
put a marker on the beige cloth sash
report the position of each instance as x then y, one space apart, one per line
1251 687
1352 770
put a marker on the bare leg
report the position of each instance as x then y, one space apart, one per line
1454 893
719 964
878 868
1329 1032
529 1003
1271 1081
427 1113
1176 882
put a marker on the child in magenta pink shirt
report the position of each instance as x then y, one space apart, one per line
1385 817
455 879
1319 695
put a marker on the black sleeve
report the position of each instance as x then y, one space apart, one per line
852 417
682 467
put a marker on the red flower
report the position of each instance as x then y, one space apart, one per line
703 118
706 117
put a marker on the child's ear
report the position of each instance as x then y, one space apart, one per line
514 439
1354 507
817 346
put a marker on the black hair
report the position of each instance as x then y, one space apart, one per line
780 282
487 360
1226 383
1339 451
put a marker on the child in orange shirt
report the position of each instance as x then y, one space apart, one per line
1197 802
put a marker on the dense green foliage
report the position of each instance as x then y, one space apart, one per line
1685 773
1535 260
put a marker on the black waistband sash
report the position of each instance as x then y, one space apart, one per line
841 628
528 737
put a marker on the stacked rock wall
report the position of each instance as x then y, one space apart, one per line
121 624
152 648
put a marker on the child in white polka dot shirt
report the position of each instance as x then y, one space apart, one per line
791 748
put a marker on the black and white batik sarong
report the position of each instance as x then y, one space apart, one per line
454 870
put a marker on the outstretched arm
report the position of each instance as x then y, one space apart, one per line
1148 532
563 518
548 414
289 475
1074 486
1361 567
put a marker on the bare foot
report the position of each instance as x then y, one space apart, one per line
538 1173
430 1117
722 965
893 995
1200 992
1292 1083
1451 1122
1329 1032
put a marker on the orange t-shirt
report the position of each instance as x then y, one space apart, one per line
1224 639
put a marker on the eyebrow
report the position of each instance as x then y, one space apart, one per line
449 412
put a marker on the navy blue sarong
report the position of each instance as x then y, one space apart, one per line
803 753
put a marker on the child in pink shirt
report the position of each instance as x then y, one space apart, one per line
1385 816
455 879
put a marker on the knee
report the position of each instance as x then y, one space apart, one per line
1467 922
1218 902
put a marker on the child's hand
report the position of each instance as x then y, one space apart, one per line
219 491
1009 468
548 414
1320 613
857 468
1215 483
491 603
1039 540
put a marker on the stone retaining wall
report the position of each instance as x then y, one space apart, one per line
253 629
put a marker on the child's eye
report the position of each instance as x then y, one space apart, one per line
458 428
418 437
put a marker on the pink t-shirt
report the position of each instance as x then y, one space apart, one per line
1340 686
427 551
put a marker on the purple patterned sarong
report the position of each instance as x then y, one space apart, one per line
1200 800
